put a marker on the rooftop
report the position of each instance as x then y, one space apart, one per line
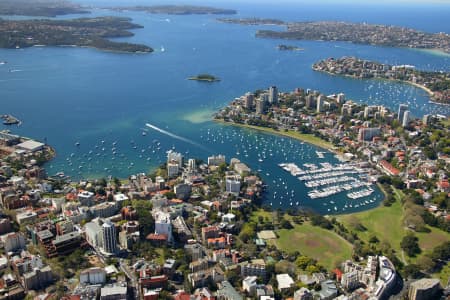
113 290
66 237
30 145
266 235
425 283
284 281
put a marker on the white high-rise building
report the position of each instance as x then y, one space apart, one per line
192 165
320 102
173 156
233 185
406 118
260 106
248 100
172 169
109 237
163 225
13 241
273 95
94 234
401 111
340 98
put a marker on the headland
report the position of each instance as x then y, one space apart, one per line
436 84
83 32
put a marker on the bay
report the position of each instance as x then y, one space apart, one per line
103 100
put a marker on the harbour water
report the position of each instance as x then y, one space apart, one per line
93 106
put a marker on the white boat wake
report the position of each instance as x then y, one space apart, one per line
175 136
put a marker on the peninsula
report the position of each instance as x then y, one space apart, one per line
177 10
393 148
437 84
42 8
204 77
358 33
83 32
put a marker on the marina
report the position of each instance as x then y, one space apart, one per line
329 180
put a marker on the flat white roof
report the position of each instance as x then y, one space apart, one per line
30 145
114 290
284 281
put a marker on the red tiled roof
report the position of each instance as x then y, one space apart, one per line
156 237
210 228
216 240
71 196
390 168
176 201
182 296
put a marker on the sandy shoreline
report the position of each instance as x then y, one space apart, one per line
307 138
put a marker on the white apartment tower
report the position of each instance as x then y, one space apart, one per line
401 111
273 95
109 237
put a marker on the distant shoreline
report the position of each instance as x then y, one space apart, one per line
92 47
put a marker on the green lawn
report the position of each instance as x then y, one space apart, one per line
429 240
262 213
325 246
387 224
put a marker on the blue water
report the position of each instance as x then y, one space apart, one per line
69 95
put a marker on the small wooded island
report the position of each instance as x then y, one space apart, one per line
289 48
436 84
204 77
83 32
177 9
